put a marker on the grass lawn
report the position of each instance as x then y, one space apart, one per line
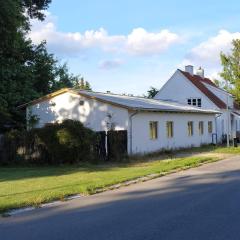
30 186
230 150
210 149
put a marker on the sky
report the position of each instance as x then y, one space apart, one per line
129 45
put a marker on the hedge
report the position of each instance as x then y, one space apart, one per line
58 143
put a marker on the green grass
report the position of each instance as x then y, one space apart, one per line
210 149
31 186
230 150
187 152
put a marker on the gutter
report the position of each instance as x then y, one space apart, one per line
130 134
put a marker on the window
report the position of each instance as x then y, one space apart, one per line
190 128
153 130
210 127
169 129
200 128
199 102
195 102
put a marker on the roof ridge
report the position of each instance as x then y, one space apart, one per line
138 97
111 93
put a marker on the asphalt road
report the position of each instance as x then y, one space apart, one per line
200 203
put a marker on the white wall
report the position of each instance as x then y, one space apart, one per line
179 89
141 142
222 121
92 114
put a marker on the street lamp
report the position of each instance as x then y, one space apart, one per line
228 120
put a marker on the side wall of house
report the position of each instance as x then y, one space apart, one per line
222 128
141 142
92 113
179 89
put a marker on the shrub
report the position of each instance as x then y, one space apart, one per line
58 143
12 141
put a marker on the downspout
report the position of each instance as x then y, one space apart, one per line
130 134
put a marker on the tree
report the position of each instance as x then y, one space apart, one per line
152 92
220 84
17 55
87 86
35 7
27 71
81 84
231 69
63 78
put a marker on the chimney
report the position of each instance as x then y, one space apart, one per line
189 69
200 72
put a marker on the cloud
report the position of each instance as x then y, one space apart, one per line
137 42
141 42
72 43
207 53
110 64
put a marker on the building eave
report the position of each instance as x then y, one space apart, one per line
44 98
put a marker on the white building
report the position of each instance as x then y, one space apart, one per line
151 124
194 89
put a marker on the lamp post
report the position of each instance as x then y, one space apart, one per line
228 120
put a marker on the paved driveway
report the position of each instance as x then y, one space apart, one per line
201 203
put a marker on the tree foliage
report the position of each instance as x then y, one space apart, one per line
151 93
81 84
231 69
27 71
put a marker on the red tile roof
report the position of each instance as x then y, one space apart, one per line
198 82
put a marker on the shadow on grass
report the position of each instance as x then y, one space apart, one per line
174 208
19 173
23 172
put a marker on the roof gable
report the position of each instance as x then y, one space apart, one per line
43 98
198 82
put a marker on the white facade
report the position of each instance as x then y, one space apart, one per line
178 88
100 116
93 114
180 137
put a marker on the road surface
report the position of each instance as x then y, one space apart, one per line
200 203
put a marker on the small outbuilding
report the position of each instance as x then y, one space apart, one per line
151 124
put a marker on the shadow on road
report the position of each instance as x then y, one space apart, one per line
181 207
